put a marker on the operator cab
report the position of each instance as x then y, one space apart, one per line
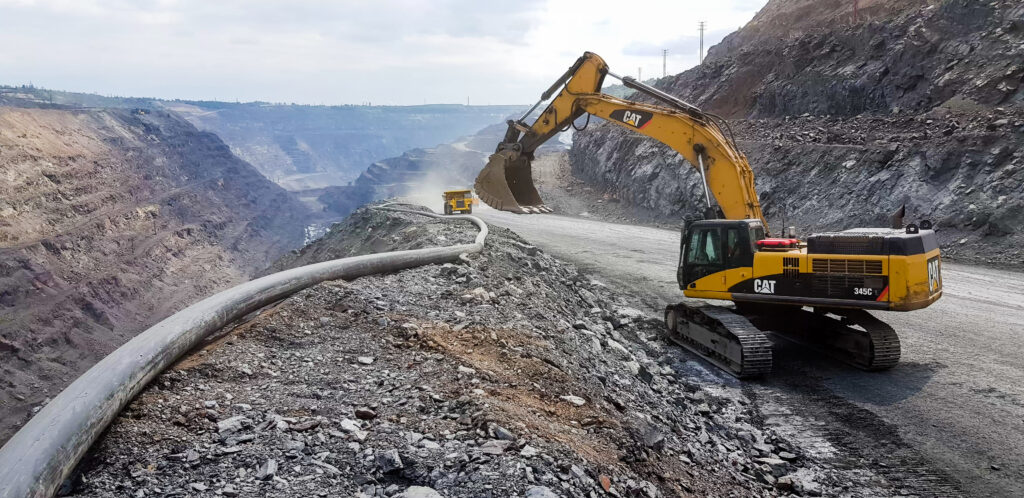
711 246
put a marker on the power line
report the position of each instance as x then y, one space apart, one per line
701 26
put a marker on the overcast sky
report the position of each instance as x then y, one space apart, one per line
345 52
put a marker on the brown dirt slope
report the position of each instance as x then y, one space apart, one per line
109 221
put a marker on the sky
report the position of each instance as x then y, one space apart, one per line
383 52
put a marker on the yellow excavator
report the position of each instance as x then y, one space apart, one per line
816 291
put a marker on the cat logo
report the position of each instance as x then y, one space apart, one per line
764 286
631 118
636 119
934 275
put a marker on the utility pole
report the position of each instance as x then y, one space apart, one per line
639 74
664 63
701 26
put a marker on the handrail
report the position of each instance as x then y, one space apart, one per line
40 456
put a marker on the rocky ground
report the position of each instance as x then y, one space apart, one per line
511 375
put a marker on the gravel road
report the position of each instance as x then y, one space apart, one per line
949 420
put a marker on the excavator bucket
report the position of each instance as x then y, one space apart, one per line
506 183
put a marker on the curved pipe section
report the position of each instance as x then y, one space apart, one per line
40 456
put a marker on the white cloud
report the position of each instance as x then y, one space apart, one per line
318 51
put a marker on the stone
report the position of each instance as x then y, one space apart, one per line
494 447
615 345
365 414
419 492
229 490
326 466
365 360
645 375
539 492
197 486
305 425
606 482
191 455
389 461
466 370
654 438
528 452
785 483
233 424
236 440
787 456
349 425
777 465
267 471
503 433
573 400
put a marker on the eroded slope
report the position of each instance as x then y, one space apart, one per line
109 221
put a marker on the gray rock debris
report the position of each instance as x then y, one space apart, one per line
538 395
419 492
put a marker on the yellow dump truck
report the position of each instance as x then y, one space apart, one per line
458 201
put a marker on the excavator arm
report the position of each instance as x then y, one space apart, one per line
506 182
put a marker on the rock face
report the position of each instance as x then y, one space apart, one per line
800 56
109 221
845 121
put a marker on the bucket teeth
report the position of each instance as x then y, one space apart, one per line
506 184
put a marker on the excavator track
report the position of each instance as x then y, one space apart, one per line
852 336
722 337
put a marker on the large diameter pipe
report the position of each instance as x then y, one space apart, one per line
40 456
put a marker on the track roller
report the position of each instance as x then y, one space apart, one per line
852 336
722 337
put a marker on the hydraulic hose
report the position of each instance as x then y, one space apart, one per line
40 456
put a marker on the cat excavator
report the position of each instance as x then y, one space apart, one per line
816 291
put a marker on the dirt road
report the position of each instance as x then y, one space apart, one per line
948 420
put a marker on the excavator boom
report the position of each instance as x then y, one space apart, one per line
506 182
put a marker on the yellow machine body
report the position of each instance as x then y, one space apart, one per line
911 281
458 201
874 269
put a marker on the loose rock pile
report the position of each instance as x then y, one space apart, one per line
511 375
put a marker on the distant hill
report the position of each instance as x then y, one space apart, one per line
300 146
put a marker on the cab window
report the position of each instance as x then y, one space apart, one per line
705 247
732 244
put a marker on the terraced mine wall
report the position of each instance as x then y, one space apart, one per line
111 219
